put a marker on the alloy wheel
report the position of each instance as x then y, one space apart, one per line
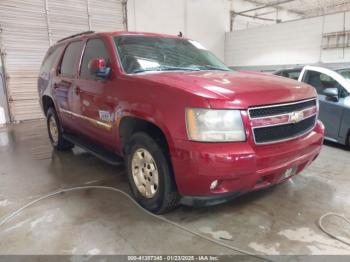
53 129
145 173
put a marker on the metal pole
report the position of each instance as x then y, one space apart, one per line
344 37
5 85
254 17
275 4
125 15
49 34
88 14
4 77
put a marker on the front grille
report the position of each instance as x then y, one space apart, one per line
282 132
280 122
277 110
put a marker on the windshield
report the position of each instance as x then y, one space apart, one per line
148 53
345 73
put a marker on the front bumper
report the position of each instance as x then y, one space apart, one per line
239 167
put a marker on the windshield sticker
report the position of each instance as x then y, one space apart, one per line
146 64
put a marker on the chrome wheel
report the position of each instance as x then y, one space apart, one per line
53 129
145 173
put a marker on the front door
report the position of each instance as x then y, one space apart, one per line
97 104
331 110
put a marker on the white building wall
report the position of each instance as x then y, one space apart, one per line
205 21
294 42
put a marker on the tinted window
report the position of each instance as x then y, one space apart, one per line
293 74
345 73
50 59
95 48
148 53
70 58
322 81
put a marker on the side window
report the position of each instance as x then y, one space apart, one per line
318 80
50 59
70 58
322 81
294 75
95 48
345 73
328 81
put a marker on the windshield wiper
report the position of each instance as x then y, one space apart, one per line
165 68
211 67
169 68
143 70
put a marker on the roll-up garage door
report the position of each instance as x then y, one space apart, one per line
28 27
24 41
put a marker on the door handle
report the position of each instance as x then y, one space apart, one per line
77 90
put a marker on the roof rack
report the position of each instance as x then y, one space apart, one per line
82 33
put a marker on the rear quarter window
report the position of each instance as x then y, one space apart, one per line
50 59
70 58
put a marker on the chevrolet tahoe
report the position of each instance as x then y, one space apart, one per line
189 129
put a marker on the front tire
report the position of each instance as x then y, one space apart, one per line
150 174
56 132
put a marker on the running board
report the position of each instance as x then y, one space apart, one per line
96 150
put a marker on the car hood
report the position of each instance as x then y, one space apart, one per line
235 89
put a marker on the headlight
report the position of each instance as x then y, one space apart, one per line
211 125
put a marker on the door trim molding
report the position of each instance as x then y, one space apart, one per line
92 121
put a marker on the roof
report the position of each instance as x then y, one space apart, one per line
289 69
116 33
333 67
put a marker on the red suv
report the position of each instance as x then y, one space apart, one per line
190 129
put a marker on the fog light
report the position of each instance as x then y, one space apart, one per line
214 184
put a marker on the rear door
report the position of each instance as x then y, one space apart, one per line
330 110
64 83
96 97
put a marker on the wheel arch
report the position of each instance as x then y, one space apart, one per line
130 125
47 102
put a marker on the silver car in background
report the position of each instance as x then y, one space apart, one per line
333 88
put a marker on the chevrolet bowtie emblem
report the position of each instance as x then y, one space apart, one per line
296 117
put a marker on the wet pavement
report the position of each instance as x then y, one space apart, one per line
278 221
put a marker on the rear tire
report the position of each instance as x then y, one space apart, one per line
150 174
55 131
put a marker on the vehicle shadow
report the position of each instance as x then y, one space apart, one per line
77 168
336 145
193 213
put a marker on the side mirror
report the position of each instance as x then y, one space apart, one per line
97 66
331 93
